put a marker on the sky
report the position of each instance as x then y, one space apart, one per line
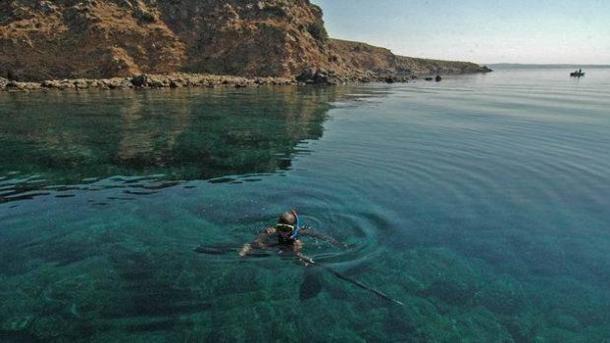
482 31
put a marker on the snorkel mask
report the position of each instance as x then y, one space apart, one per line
297 225
285 230
290 231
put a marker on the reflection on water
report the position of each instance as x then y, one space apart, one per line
173 135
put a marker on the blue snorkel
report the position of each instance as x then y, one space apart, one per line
297 226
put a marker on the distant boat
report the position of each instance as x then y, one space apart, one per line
577 73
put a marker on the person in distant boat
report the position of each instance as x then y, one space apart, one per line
287 232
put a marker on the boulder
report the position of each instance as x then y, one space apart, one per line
51 84
140 81
67 84
81 84
23 86
30 86
116 83
314 76
47 7
158 81
176 83
3 83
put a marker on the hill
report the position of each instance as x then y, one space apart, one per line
41 40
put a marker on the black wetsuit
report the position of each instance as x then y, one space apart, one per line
285 240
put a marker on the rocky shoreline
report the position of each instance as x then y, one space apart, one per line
182 80
147 81
185 80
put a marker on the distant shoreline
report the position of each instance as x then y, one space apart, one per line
546 66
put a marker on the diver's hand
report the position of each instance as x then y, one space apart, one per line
245 250
306 260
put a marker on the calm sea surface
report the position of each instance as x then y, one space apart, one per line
480 202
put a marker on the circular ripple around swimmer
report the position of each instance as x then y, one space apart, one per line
360 231
332 208
358 223
335 207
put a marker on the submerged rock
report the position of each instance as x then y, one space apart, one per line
312 284
504 296
49 328
16 324
450 292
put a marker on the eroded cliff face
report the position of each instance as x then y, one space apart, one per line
247 37
42 39
103 38
363 61
57 39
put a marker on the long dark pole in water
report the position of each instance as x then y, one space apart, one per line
223 249
352 281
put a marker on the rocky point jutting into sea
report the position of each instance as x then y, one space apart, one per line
187 43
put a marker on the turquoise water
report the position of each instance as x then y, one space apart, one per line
481 202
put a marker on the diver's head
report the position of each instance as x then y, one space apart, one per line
287 218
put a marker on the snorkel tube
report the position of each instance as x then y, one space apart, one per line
297 225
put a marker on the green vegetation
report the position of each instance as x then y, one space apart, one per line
318 31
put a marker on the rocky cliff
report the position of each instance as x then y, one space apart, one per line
363 61
42 39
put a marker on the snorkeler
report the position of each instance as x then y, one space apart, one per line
287 230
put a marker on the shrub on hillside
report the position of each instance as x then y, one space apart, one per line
317 31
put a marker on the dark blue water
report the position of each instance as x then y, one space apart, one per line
481 203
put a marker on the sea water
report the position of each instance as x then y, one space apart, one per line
481 202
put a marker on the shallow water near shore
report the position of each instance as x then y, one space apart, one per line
480 202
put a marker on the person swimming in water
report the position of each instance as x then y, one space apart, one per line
287 231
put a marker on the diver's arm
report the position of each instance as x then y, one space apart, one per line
258 243
297 248
315 234
305 259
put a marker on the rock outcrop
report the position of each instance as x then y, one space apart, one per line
318 76
94 39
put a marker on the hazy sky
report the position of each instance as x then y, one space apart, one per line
484 31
